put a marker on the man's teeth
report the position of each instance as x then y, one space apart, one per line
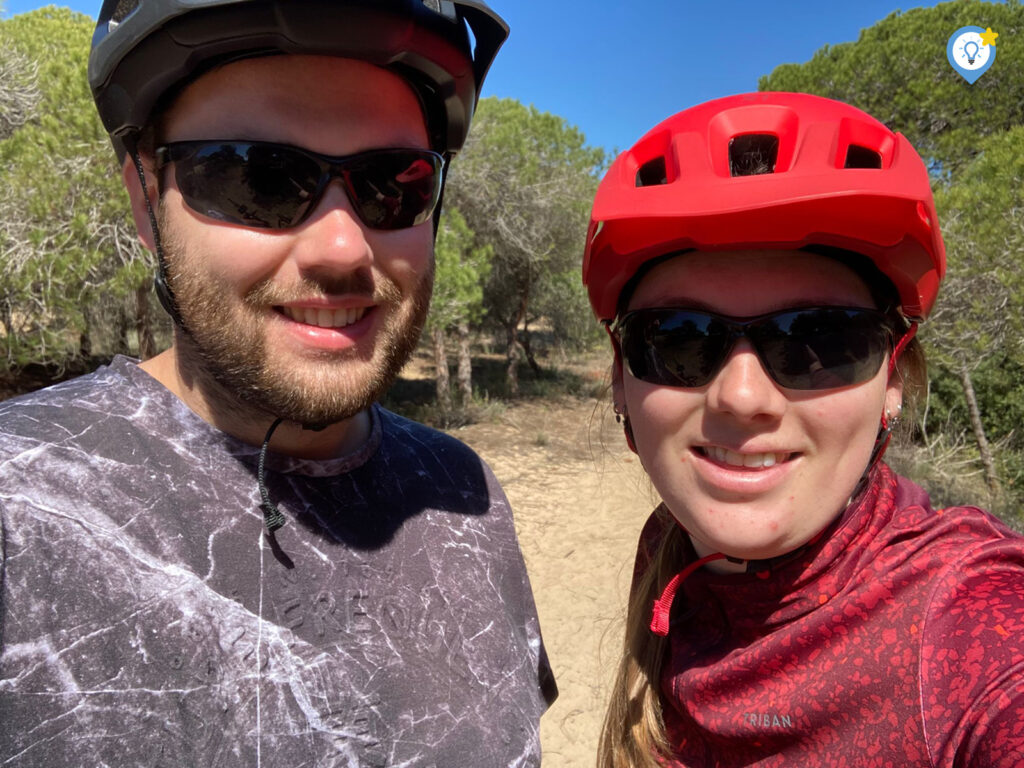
752 460
325 318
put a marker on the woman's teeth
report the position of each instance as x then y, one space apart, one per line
324 318
751 460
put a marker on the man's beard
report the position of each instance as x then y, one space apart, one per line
224 342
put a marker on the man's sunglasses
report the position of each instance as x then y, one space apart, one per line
812 348
276 186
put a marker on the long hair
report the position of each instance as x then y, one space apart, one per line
633 735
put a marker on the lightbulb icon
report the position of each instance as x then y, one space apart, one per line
971 51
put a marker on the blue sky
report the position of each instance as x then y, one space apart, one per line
615 69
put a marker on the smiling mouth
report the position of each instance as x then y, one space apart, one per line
746 460
324 318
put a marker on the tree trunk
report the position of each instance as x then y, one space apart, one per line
7 322
465 372
979 430
512 343
512 358
85 342
524 341
124 345
442 380
144 323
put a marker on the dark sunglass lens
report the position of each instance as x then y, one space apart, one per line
674 348
281 183
822 349
394 189
256 185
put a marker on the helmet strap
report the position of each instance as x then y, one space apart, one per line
163 290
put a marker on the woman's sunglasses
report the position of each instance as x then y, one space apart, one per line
276 186
812 348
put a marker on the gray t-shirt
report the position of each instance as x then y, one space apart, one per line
146 620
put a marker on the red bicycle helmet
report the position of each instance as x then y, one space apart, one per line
767 170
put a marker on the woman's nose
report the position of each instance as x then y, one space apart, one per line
743 388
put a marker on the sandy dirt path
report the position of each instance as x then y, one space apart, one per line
580 499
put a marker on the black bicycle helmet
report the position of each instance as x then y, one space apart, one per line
146 50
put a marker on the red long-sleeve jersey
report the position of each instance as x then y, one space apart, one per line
896 640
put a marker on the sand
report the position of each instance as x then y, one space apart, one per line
580 499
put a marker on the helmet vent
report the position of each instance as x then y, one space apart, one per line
124 9
862 157
753 154
652 173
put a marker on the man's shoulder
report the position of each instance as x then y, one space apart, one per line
57 414
68 393
434 458
416 437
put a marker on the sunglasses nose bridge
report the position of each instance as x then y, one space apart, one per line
331 171
735 331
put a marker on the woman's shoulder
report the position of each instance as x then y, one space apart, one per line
972 638
974 563
958 526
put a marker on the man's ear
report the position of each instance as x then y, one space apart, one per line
130 177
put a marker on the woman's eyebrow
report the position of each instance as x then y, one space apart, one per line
690 302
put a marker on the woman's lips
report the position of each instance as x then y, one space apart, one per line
730 475
729 458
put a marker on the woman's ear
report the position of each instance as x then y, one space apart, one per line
619 393
618 389
138 197
894 396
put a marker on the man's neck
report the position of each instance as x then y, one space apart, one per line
229 414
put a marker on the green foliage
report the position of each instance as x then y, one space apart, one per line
983 209
563 302
971 134
524 183
69 260
897 71
999 384
461 269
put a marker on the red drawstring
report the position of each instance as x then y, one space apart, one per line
900 346
663 605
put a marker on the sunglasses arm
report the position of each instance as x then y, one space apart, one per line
445 165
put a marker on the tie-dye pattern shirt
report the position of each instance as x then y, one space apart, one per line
145 618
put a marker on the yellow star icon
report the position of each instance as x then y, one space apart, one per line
988 37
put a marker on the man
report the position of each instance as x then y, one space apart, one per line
228 555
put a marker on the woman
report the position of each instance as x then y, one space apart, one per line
762 263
